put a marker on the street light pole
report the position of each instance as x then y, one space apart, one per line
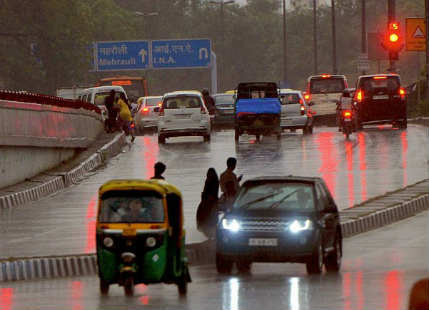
222 4
334 39
363 38
315 36
284 43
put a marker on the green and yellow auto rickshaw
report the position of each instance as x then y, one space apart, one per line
140 235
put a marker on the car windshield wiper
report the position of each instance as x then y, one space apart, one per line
260 199
277 203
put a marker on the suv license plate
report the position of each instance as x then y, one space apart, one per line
381 97
262 242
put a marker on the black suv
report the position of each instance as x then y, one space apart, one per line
280 219
380 99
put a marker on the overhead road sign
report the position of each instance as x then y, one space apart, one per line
121 55
176 54
415 39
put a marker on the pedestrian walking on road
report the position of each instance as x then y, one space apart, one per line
159 169
112 112
125 116
207 209
208 100
229 183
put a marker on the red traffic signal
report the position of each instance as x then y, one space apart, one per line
393 41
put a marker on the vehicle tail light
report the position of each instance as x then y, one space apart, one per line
347 114
159 104
302 110
203 111
132 125
161 111
402 93
301 101
307 97
359 95
326 76
145 110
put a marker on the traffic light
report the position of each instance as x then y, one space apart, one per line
393 41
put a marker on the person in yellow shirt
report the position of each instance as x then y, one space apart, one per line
125 117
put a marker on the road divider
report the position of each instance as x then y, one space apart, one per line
372 214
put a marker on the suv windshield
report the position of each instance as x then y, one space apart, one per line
290 98
283 196
327 85
180 102
132 207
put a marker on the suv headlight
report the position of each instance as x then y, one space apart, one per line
300 225
232 225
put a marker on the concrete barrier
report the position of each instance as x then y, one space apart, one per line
35 137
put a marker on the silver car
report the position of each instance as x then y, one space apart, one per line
296 113
148 112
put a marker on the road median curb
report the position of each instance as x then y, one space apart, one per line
355 220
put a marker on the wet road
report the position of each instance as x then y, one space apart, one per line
378 271
377 160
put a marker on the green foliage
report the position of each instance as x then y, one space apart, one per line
248 40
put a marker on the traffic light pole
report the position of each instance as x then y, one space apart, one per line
391 18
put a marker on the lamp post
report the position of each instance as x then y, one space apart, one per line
316 69
222 4
144 14
284 43
334 39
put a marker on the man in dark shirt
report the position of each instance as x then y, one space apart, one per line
159 170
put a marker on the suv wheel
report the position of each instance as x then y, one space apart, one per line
161 139
223 264
315 263
236 135
333 261
244 266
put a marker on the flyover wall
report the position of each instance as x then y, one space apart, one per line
35 137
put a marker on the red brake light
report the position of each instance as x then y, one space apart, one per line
347 114
307 97
402 93
301 101
159 104
380 77
302 109
359 95
325 76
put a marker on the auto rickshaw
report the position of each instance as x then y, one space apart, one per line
140 235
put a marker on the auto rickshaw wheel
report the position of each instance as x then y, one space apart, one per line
223 265
129 286
182 284
104 287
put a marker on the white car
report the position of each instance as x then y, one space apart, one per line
183 113
147 114
295 112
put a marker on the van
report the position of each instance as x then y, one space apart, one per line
97 95
323 93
